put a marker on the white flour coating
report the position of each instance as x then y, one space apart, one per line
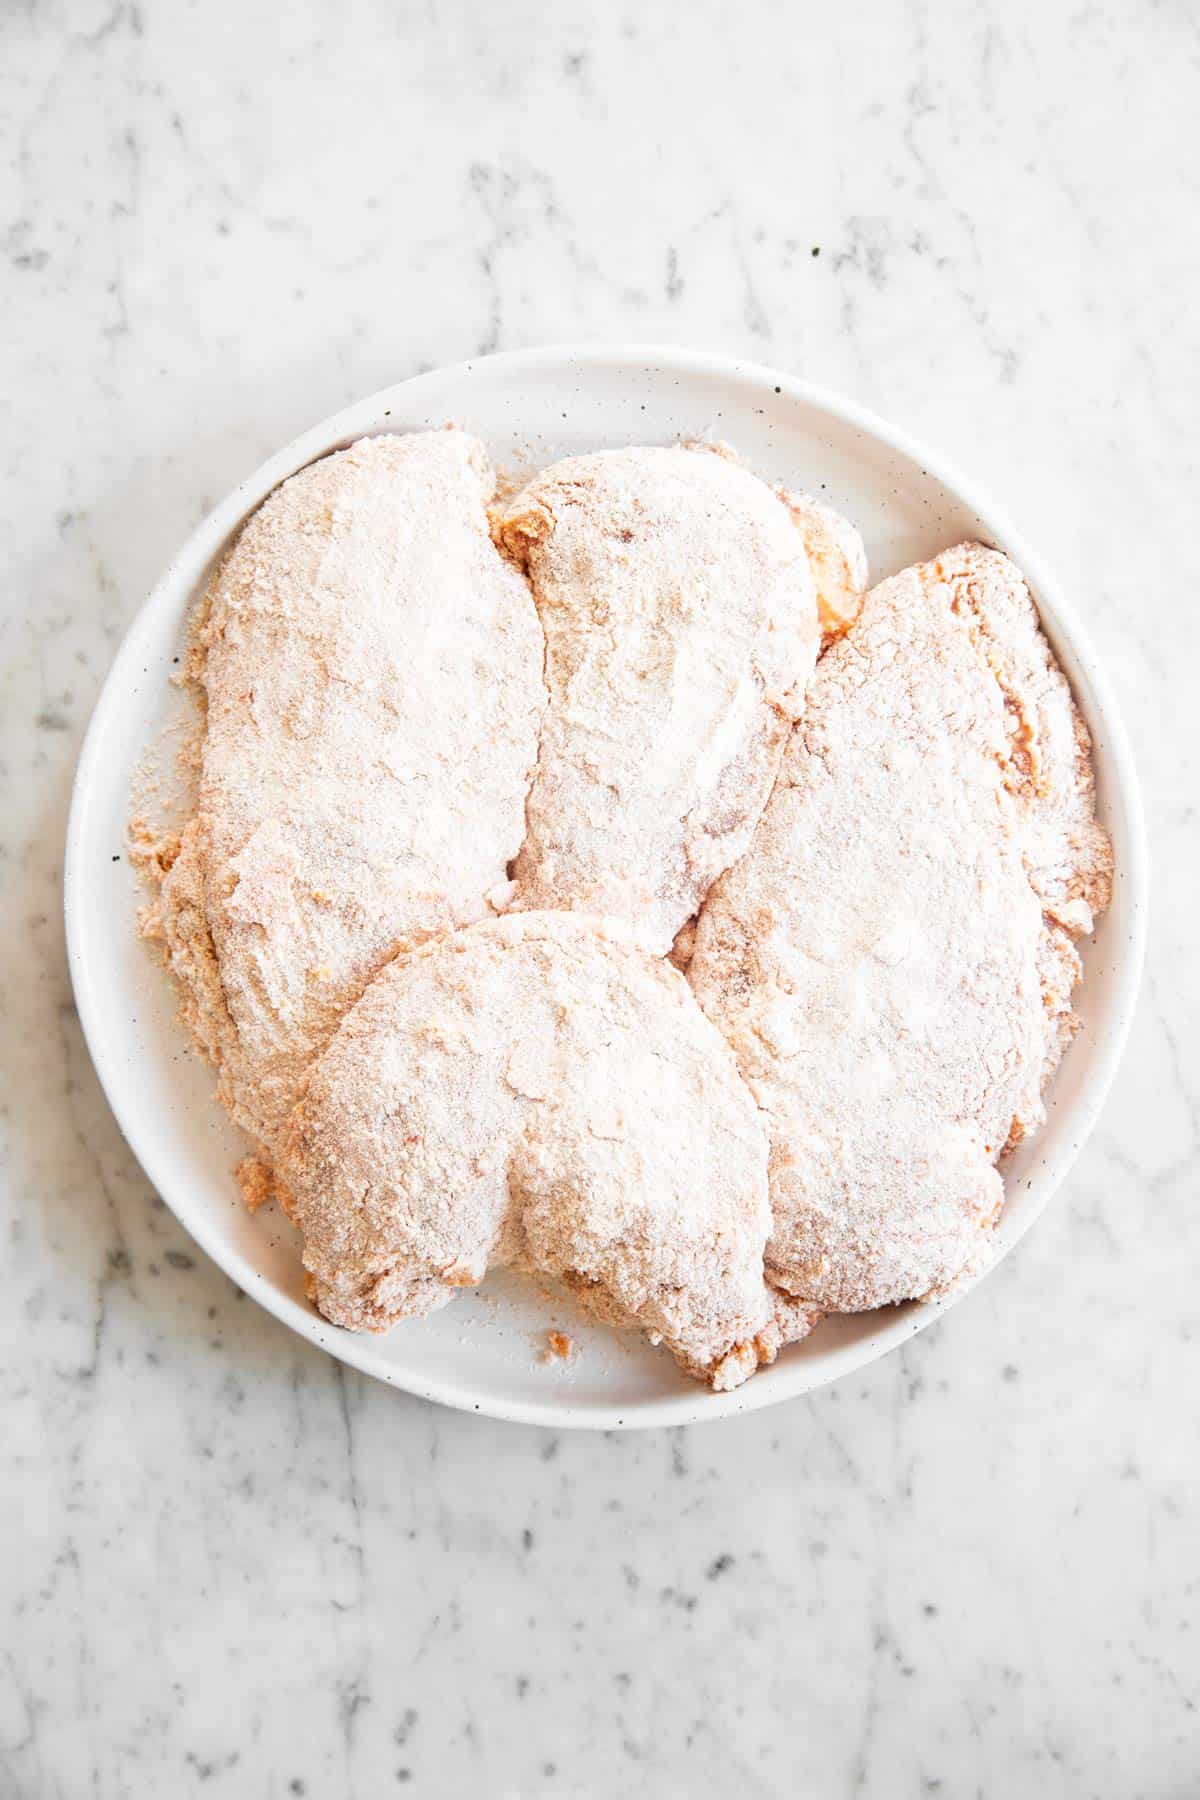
836 556
680 623
371 669
539 1091
889 960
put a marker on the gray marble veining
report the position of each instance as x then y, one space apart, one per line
231 1566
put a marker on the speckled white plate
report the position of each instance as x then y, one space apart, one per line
530 407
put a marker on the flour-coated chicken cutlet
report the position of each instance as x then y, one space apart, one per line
892 959
538 1091
371 673
680 621
836 557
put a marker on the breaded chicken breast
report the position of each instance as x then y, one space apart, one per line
538 1091
680 620
371 675
836 557
892 961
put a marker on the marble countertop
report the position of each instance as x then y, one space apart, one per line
229 1565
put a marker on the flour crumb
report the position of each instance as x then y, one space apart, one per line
558 1347
152 851
256 1179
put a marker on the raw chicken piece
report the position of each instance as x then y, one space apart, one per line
680 622
538 1091
371 676
836 557
891 961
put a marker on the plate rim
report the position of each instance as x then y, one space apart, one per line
689 1407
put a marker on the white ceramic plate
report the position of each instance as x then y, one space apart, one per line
530 407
